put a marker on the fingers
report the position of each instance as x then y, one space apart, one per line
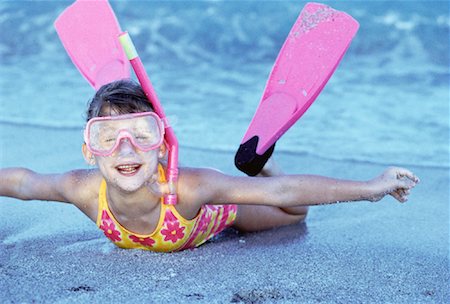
401 194
406 180
404 173
403 190
399 197
397 182
405 184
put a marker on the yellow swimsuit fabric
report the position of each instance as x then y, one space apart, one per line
173 232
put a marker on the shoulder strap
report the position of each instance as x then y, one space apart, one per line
102 202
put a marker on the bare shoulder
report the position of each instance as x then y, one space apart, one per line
211 186
198 173
81 182
195 177
201 184
80 187
194 189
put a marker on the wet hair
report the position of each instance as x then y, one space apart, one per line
121 97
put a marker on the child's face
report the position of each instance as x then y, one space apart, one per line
126 148
128 168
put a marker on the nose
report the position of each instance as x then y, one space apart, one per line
125 146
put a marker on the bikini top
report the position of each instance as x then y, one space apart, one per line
173 232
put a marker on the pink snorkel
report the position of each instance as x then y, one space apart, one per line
170 139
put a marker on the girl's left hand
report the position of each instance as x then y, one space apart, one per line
397 182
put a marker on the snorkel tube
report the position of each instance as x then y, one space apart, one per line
170 139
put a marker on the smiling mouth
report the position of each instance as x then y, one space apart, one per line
128 170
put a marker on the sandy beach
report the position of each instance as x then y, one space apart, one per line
347 253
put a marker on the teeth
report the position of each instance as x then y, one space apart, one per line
128 168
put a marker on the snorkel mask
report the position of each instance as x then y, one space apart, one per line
145 131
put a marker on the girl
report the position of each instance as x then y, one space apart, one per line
124 195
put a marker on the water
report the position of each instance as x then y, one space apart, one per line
388 101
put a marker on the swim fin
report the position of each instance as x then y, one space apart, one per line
89 32
309 56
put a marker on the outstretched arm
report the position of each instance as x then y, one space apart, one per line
25 184
298 190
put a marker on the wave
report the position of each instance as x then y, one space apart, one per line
245 30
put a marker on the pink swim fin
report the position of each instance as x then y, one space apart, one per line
89 32
312 51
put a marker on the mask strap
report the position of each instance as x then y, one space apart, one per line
165 122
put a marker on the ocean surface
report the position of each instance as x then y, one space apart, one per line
387 103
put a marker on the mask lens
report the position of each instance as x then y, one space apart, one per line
144 130
146 133
102 136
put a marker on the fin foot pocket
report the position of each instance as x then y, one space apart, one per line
248 161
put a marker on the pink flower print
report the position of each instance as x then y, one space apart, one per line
109 228
173 232
105 216
170 216
149 242
110 231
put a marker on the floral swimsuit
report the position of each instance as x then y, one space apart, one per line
173 232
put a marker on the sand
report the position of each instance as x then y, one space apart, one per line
364 252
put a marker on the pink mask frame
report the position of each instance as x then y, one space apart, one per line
123 133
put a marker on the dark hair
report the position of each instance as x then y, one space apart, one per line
122 96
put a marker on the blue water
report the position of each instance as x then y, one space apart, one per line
388 102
